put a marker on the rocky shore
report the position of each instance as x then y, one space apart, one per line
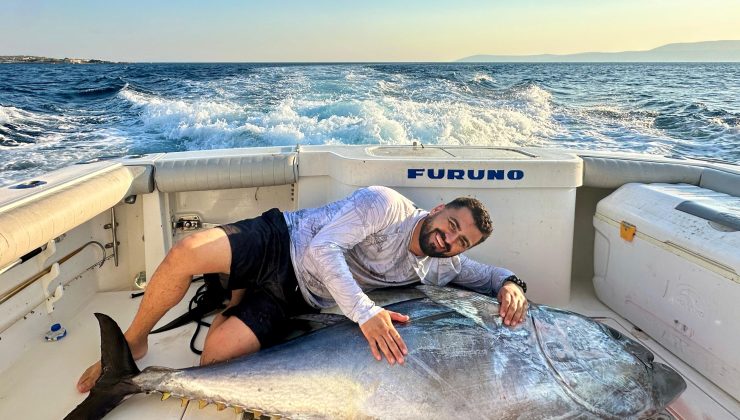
5 59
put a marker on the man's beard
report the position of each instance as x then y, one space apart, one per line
425 240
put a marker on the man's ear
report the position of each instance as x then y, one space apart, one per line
437 209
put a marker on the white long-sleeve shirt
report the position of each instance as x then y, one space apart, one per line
361 243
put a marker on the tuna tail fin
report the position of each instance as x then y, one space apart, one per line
118 368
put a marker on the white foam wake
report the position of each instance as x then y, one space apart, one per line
524 118
10 114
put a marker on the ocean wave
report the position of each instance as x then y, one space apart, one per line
52 116
389 87
480 77
102 91
9 114
208 124
23 127
179 118
730 122
611 114
33 142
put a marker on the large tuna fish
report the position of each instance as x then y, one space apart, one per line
462 363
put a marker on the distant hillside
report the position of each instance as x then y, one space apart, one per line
709 51
4 59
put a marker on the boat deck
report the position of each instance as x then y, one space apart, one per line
41 384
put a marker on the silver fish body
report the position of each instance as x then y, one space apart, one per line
462 362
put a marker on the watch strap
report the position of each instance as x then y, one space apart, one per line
516 280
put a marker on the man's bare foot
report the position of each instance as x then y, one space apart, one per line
89 377
92 374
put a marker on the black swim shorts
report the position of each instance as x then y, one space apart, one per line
261 264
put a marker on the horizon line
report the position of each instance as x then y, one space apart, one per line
457 60
104 62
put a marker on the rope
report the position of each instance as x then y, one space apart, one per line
199 298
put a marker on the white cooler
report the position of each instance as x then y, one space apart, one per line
667 258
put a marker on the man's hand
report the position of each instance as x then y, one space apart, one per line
513 304
383 337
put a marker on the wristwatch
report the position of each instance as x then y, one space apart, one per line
516 280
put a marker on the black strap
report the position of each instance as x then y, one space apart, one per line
200 296
208 298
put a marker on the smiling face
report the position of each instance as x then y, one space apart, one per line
446 232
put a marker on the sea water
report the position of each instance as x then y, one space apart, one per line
56 115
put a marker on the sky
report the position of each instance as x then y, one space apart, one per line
349 31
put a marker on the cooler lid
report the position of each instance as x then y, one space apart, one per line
685 217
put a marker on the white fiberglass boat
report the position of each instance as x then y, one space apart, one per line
648 245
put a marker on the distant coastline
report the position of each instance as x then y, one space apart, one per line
32 59
691 52
708 51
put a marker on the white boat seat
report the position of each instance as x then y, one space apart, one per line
226 170
613 173
67 199
720 181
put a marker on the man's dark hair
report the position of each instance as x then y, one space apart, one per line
480 214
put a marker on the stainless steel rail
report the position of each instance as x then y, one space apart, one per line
17 289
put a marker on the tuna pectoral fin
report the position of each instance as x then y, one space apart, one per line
483 310
118 368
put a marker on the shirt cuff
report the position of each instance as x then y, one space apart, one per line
365 316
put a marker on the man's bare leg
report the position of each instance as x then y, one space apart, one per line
236 297
203 252
230 339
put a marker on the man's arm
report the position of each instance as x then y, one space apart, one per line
492 281
363 214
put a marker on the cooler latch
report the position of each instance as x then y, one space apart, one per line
627 231
189 222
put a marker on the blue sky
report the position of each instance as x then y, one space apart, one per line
333 30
